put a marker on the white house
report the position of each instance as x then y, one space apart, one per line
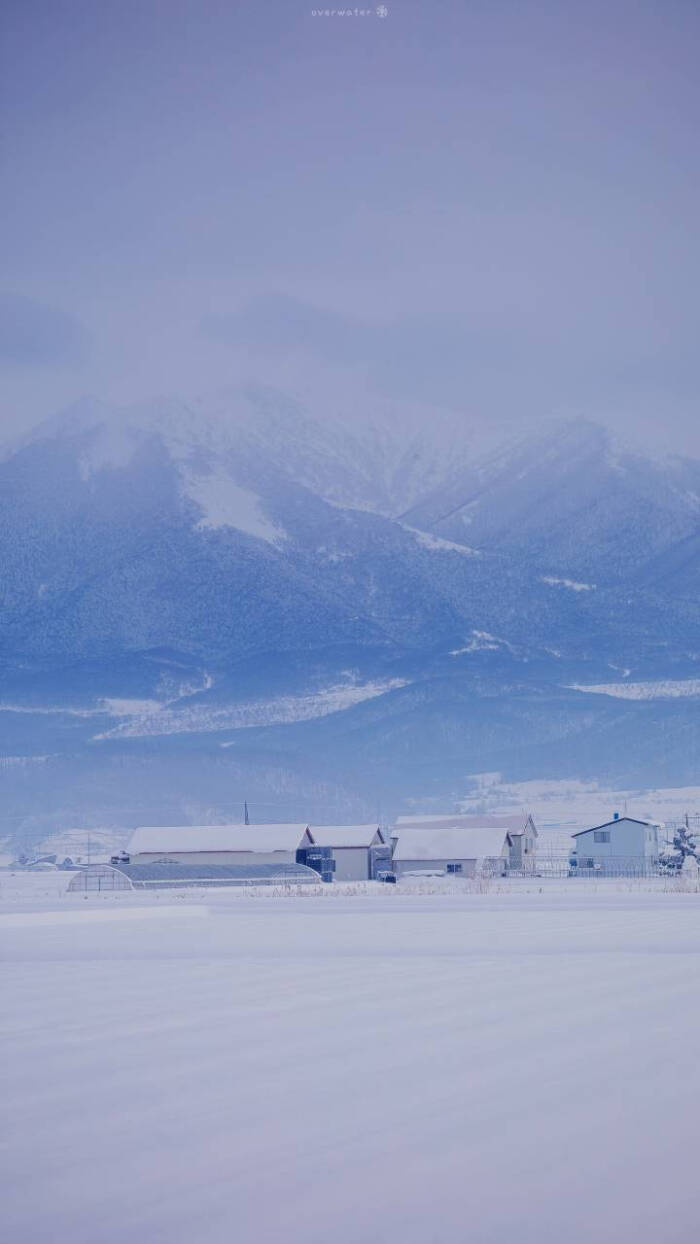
451 849
352 847
519 826
619 847
218 844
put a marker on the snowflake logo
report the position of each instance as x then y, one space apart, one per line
382 10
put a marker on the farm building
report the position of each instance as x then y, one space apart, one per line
451 849
357 849
621 847
520 828
121 876
218 844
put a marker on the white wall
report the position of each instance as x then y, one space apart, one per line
520 859
469 867
351 863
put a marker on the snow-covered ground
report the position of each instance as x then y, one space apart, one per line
565 806
572 584
388 1066
664 689
282 709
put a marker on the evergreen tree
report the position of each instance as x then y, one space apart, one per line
684 843
684 848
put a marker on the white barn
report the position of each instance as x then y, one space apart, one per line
352 848
619 847
218 844
451 850
519 826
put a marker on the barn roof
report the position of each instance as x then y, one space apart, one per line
346 835
165 838
450 843
514 823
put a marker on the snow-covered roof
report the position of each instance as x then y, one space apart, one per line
165 838
513 823
345 835
449 843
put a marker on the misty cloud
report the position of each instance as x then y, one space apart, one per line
33 334
280 324
507 364
493 209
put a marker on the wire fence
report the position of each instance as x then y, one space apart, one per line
558 864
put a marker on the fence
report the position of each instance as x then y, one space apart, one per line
557 864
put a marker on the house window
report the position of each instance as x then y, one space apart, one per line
454 868
601 835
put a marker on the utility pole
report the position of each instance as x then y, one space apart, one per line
247 818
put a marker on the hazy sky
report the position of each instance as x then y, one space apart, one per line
487 204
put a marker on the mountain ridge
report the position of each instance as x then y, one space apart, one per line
169 549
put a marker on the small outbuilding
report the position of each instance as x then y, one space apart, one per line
358 850
621 847
518 826
452 850
218 844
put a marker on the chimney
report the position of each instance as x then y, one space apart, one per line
616 816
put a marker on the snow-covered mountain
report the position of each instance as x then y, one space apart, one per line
574 503
384 457
361 599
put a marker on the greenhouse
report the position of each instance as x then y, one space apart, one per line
98 877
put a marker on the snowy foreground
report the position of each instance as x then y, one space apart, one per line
390 1067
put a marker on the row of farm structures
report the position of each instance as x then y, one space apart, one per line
449 845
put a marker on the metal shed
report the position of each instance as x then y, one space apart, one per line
451 850
519 826
97 877
358 850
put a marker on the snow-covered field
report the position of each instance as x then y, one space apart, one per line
564 806
389 1066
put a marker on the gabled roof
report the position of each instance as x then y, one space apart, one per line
176 838
449 842
620 820
346 835
515 823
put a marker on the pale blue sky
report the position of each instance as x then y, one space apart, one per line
488 205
